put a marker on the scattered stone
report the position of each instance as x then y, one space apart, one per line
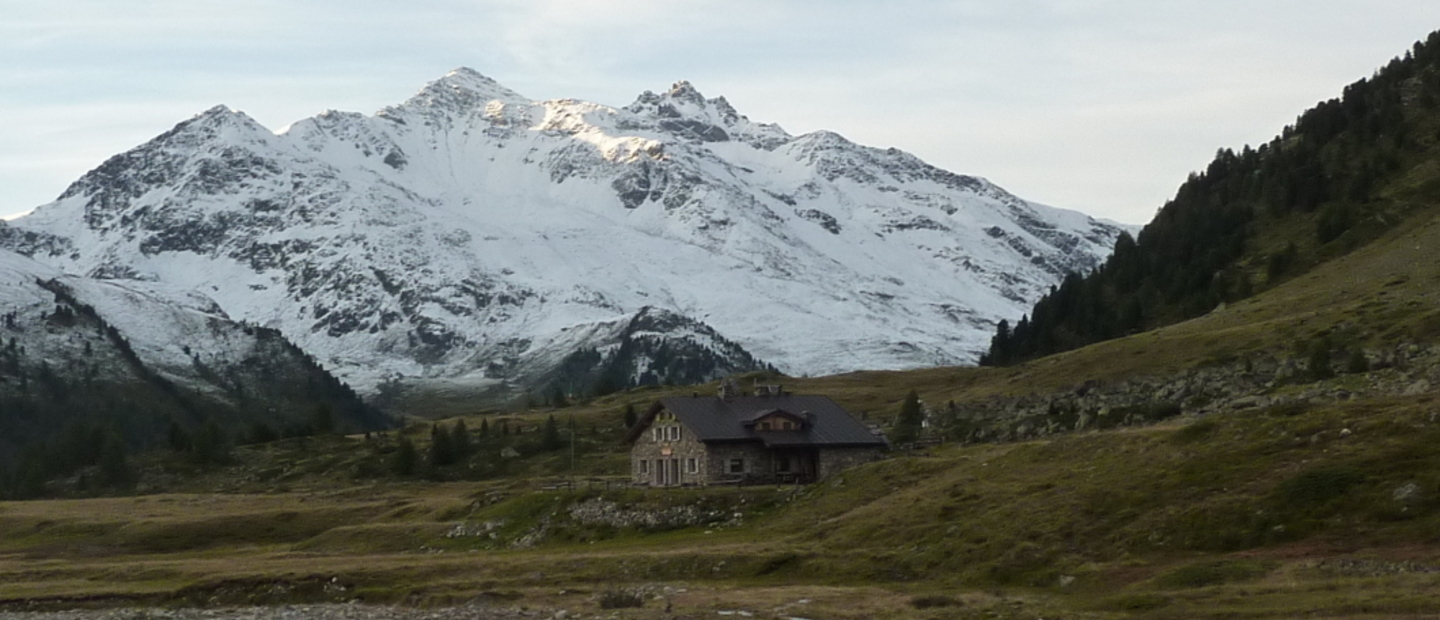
1405 492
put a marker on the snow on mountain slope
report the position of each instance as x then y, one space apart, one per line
139 355
472 233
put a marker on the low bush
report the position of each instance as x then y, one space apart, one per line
1214 573
1318 486
621 599
934 600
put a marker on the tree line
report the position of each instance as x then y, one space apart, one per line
1317 187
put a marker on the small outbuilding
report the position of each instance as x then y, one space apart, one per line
769 437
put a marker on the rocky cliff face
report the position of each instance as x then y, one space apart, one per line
470 234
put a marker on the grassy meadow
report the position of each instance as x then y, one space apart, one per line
1331 512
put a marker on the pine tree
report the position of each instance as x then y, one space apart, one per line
322 420
631 418
261 432
177 438
403 461
210 444
550 440
907 422
442 453
460 440
115 470
484 428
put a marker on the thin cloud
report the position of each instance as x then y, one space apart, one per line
1102 105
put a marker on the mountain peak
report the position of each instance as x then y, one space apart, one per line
683 100
222 114
685 91
217 122
469 79
461 89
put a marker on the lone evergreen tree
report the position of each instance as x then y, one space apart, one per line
907 422
550 439
631 419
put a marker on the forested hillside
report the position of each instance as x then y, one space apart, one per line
87 378
1346 171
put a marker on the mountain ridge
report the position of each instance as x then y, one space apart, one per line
457 233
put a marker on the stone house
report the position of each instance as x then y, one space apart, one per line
770 437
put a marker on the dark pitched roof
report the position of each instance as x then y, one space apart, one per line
732 419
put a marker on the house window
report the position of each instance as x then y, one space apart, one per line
737 466
644 467
655 433
674 433
692 466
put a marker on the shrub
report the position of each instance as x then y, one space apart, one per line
1150 412
1357 363
1196 431
1318 486
933 600
1214 573
1319 363
621 599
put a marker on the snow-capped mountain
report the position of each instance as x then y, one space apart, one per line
471 234
140 355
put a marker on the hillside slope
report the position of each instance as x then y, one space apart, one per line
1347 171
80 355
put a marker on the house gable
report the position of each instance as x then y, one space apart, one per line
777 420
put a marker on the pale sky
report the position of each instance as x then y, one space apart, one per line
1101 106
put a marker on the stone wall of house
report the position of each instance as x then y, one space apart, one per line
649 448
758 462
835 459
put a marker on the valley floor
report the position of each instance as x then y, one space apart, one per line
1237 515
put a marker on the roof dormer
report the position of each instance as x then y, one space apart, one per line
778 420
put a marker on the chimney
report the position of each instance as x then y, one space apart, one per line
727 389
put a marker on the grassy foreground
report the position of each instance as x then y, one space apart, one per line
1328 512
